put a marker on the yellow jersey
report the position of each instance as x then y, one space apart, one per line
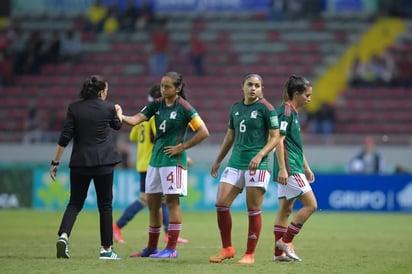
143 134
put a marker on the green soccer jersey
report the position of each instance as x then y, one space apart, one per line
290 128
171 129
251 124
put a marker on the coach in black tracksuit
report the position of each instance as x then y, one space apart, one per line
89 122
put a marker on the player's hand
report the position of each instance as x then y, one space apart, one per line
282 176
119 111
53 172
173 150
189 161
255 162
309 175
214 170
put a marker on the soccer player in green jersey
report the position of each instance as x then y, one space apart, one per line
291 170
253 131
167 171
143 134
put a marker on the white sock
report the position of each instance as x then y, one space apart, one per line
104 250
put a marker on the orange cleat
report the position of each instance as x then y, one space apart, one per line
247 259
117 234
224 253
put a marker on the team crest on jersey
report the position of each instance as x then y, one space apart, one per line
173 115
237 113
253 114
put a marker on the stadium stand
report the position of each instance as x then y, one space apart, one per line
236 44
383 110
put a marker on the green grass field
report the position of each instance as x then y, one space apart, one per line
329 243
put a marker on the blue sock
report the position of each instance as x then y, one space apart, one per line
165 217
129 213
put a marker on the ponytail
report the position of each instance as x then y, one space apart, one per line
295 84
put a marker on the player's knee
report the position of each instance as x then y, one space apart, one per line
311 208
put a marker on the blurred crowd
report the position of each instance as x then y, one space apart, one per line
112 18
379 70
25 52
311 9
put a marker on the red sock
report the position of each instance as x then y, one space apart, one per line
173 233
224 222
293 229
255 226
154 233
278 231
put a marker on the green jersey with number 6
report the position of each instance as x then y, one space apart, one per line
251 124
290 128
171 129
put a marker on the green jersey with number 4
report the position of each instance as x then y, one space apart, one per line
171 129
251 124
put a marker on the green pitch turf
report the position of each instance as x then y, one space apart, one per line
328 243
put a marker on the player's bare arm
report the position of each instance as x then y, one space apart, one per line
134 120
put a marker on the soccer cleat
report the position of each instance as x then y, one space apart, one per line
145 252
179 240
224 253
166 254
288 249
108 254
117 234
282 258
62 246
247 259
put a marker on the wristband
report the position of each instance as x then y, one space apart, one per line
53 163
